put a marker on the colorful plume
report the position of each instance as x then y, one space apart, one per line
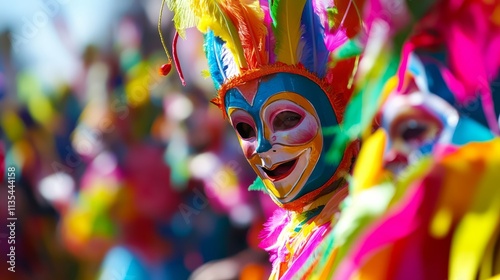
248 36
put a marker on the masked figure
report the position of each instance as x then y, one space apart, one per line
424 196
284 93
425 116
279 119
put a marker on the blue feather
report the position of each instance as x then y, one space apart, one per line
221 62
315 54
213 49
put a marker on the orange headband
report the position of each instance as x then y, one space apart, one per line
336 99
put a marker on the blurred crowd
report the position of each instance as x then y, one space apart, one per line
120 173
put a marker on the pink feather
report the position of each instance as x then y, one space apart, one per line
271 232
270 39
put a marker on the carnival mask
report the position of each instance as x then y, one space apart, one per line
280 86
279 120
426 115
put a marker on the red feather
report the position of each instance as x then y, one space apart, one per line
247 18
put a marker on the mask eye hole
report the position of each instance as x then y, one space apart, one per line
413 131
286 120
245 130
416 130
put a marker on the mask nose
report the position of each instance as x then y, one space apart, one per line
263 144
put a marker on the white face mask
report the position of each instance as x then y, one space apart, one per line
285 145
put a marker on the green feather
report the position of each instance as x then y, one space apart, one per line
350 48
257 185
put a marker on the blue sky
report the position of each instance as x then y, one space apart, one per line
50 34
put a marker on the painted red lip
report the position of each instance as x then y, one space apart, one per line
281 170
395 162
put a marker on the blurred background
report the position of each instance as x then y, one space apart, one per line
120 173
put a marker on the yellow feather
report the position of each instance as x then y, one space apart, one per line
369 168
212 18
287 15
184 16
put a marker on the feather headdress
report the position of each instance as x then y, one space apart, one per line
248 39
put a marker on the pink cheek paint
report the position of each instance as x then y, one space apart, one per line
248 148
303 133
301 136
